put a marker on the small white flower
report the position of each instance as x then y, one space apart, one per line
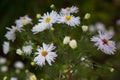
104 43
3 60
82 58
45 53
49 18
10 35
84 28
13 78
27 49
69 10
6 47
4 69
66 40
19 51
23 21
92 28
39 28
73 44
19 65
69 20
118 22
100 26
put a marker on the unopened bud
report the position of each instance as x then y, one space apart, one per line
19 51
38 16
52 28
84 28
73 44
87 16
52 6
66 40
32 63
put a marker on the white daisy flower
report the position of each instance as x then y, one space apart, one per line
92 28
27 49
10 35
3 60
19 65
69 20
118 22
45 53
39 28
100 26
104 43
4 68
13 78
23 21
49 18
69 10
6 47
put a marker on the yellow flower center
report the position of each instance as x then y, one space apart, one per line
44 53
48 19
24 21
68 9
68 18
105 41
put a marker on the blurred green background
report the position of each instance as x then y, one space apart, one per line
105 11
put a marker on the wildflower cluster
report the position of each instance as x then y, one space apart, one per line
41 45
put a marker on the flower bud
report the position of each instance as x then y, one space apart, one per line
87 16
4 69
19 51
84 28
38 16
52 6
66 40
32 63
73 44
52 28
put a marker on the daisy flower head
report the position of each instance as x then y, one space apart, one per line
23 21
27 49
2 60
45 53
39 28
6 47
104 43
69 10
49 18
118 22
10 35
13 78
100 26
69 20
19 64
